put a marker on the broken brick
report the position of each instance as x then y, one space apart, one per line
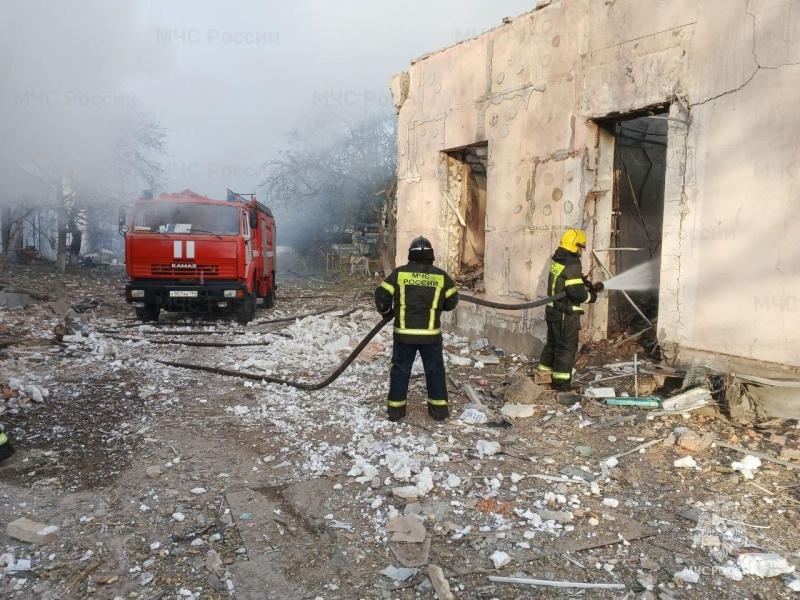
695 443
32 532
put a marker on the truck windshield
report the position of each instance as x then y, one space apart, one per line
186 217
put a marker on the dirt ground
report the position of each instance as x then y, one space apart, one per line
174 483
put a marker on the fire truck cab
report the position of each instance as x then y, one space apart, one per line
187 253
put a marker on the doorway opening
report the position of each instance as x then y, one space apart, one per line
465 205
639 173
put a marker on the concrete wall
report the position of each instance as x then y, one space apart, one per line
728 72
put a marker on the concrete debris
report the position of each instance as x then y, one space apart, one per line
487 448
517 411
687 462
363 471
695 443
790 454
610 462
406 529
646 580
776 402
479 343
583 451
559 516
600 392
459 361
742 407
32 532
412 555
62 309
486 359
486 491
688 401
731 572
13 300
522 390
398 573
424 484
500 559
342 343
747 466
764 565
440 583
686 576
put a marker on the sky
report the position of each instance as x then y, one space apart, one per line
226 79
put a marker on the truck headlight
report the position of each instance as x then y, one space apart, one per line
229 294
137 293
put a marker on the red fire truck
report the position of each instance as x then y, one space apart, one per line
187 253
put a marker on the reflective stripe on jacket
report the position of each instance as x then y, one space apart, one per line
417 293
566 276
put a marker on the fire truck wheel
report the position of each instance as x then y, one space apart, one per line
269 299
245 309
148 312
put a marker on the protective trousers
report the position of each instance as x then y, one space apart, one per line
559 352
403 356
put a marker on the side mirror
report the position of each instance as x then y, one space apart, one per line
123 229
122 218
253 220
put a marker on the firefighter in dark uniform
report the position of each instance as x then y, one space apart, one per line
564 315
417 293
6 449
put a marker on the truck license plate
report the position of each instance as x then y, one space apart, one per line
182 294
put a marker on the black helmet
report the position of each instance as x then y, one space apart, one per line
420 249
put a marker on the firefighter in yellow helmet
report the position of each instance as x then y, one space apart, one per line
564 315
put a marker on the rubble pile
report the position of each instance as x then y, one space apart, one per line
134 479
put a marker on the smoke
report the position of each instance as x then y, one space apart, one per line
227 79
66 75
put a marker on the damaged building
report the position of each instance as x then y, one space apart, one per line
667 130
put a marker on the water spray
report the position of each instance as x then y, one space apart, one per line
641 278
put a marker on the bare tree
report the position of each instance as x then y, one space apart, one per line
350 176
81 182
12 225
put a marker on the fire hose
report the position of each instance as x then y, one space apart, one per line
310 387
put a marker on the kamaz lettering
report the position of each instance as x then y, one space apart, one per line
183 266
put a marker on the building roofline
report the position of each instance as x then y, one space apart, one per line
540 4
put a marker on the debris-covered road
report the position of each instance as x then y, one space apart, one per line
166 482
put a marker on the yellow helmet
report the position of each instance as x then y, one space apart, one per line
571 239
